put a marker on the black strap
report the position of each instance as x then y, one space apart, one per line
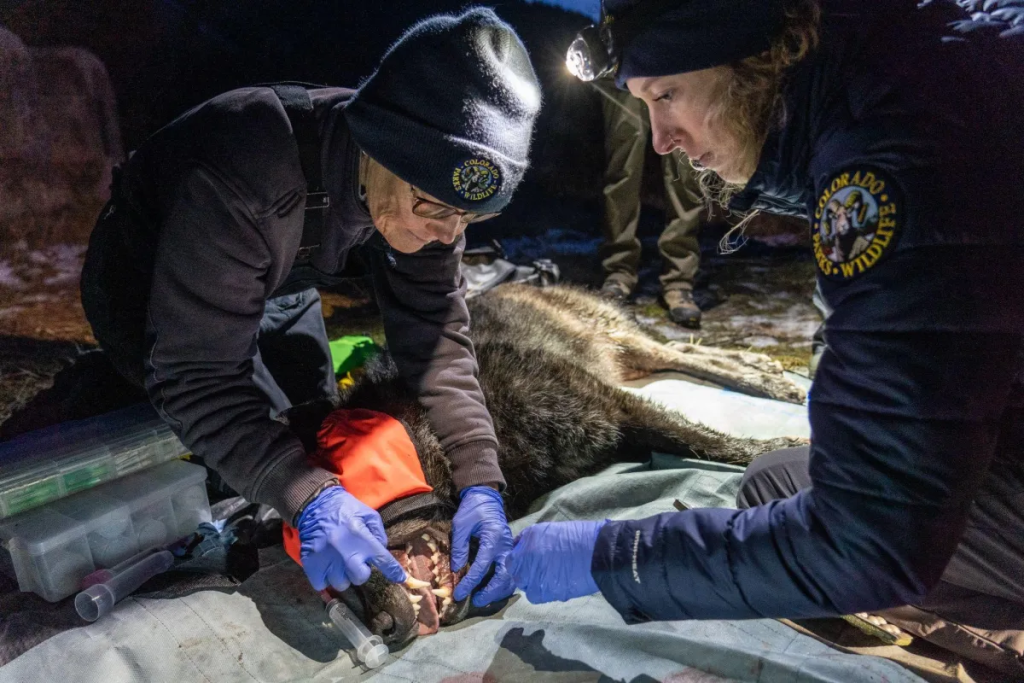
397 509
295 100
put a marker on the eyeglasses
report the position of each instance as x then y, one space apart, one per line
428 208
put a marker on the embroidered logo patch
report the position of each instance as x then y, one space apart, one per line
855 223
476 179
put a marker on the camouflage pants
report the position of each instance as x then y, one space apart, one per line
626 127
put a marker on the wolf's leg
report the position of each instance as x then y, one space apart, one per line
758 361
749 373
648 427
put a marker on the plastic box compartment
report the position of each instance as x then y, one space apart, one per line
110 532
49 553
49 550
165 502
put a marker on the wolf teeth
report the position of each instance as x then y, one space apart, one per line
416 610
425 537
412 583
436 557
432 546
444 592
408 550
445 603
414 599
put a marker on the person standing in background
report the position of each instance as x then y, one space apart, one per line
626 131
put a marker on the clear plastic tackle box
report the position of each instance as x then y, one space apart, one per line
49 464
50 549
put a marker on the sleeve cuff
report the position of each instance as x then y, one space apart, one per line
612 560
476 464
291 483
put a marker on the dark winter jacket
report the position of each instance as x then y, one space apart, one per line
906 128
221 195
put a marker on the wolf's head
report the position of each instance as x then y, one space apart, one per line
398 613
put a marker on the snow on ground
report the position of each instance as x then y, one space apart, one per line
65 260
556 242
8 276
39 296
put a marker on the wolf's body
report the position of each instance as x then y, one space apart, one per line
551 360
550 364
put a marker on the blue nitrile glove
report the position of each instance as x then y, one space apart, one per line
481 514
340 539
551 560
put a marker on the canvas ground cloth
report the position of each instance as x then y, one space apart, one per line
272 627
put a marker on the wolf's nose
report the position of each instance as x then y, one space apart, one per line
384 626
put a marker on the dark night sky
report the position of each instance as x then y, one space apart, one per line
166 55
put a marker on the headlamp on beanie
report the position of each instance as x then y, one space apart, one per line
594 53
649 38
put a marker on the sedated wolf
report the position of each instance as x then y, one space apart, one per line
551 360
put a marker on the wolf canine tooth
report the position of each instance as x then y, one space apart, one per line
425 537
432 546
413 583
444 592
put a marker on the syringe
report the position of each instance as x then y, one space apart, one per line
370 649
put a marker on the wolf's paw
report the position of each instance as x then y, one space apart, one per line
784 389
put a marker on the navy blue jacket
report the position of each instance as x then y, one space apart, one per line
904 147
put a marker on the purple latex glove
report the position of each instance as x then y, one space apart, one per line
341 538
481 515
551 560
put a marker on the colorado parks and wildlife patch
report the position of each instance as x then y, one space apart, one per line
856 222
476 179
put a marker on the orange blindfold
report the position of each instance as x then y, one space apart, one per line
373 456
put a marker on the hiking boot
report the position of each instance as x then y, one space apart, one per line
615 290
682 310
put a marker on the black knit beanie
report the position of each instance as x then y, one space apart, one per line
695 35
451 109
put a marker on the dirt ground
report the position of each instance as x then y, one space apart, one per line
758 298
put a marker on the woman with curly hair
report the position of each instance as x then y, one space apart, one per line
912 489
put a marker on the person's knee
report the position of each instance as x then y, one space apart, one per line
774 475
